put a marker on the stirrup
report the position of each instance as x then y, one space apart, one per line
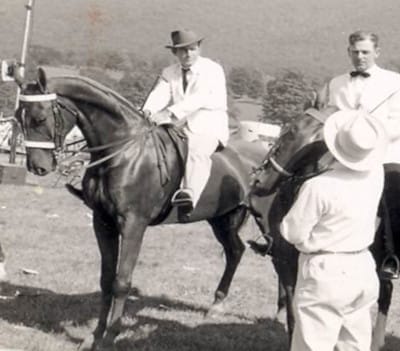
390 267
182 197
262 249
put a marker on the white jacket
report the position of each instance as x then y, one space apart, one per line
379 95
203 104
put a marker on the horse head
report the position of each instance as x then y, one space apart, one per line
43 125
49 108
295 154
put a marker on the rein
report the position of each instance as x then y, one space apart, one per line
290 176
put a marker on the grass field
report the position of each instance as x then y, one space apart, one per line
46 230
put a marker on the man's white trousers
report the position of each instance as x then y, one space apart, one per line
333 297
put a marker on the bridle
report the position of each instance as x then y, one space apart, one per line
57 144
289 175
271 159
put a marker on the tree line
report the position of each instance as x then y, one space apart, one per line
282 97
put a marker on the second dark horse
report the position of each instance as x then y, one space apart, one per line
298 155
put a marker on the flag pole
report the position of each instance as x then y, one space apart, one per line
28 21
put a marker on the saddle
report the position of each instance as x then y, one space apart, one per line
179 140
226 189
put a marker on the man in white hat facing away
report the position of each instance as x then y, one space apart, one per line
376 90
192 93
332 224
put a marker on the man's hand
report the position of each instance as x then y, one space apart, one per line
146 114
162 117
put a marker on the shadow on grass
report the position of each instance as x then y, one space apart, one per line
58 313
165 335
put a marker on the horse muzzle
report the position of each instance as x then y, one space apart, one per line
40 162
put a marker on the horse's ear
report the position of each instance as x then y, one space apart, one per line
42 79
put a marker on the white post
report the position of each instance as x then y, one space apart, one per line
28 20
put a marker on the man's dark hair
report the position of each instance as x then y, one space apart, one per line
363 35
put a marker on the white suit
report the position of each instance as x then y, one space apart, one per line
378 94
203 110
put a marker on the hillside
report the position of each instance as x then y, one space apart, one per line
272 35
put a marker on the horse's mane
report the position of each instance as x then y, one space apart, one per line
88 90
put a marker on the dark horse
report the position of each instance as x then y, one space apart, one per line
135 168
299 154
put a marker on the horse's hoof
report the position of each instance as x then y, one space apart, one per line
280 316
216 310
3 273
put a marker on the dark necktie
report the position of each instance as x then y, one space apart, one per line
354 74
184 78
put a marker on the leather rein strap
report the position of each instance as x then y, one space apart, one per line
316 114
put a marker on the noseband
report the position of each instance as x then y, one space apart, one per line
270 159
288 175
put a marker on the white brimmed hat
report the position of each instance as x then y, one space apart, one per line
356 139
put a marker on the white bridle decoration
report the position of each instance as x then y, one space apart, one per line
38 98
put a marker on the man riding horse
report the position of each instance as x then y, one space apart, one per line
192 94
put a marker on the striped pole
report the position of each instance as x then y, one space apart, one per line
28 21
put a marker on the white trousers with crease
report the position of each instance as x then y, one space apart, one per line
198 165
333 297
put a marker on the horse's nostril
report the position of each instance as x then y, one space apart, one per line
41 171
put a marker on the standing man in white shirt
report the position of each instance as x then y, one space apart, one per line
332 224
192 94
377 91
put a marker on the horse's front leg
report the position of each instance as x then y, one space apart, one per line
108 242
384 300
132 228
226 230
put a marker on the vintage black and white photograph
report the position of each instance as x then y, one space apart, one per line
211 175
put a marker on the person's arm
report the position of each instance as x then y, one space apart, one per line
210 94
159 98
393 120
305 213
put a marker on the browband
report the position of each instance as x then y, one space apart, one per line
37 98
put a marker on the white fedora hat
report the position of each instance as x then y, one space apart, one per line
357 140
